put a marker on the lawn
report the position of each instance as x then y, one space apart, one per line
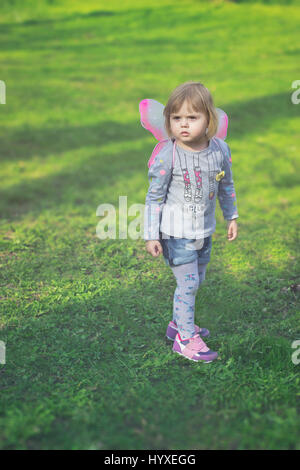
83 320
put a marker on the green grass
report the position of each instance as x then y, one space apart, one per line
83 319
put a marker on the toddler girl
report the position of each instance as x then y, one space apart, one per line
191 170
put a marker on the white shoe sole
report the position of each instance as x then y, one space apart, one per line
190 359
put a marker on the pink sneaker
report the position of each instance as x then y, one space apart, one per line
194 349
172 331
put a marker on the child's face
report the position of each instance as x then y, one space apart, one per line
188 126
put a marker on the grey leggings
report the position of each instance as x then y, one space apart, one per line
189 277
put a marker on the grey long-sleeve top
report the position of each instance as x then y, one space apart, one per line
181 201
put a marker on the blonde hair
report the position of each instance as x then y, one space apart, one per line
199 98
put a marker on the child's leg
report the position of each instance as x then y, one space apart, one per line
202 272
187 277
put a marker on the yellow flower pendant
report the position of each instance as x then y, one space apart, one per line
220 175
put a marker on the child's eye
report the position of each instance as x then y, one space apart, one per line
176 118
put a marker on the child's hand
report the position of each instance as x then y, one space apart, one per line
232 230
154 247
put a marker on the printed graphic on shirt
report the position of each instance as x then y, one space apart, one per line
214 175
187 181
198 178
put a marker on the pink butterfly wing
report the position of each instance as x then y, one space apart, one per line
156 150
152 118
223 124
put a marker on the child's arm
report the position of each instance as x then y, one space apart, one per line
226 191
159 176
